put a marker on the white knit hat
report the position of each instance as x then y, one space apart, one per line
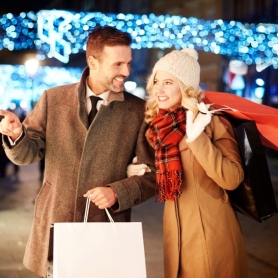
182 64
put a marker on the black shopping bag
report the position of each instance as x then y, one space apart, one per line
254 197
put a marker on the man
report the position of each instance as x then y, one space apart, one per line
83 159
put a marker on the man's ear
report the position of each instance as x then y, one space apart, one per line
92 62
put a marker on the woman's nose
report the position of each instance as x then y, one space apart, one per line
158 88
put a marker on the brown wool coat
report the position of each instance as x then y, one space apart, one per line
202 235
79 158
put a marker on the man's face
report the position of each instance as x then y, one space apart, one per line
112 69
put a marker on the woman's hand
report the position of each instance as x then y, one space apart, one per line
136 169
195 127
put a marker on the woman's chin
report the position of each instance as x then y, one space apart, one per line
163 106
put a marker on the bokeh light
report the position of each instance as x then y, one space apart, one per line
58 34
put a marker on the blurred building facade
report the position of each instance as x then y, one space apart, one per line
256 11
216 72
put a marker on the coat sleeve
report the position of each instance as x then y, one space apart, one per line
137 189
31 147
217 151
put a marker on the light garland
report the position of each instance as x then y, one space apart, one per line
18 32
62 33
18 86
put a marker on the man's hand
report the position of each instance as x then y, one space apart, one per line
102 197
10 125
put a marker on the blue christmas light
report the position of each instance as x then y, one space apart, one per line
16 85
60 33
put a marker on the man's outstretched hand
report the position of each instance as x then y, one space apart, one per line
10 124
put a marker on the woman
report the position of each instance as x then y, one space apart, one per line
197 160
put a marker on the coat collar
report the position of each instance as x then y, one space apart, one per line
113 96
83 115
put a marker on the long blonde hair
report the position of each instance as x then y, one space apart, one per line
190 98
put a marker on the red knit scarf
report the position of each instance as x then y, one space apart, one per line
165 131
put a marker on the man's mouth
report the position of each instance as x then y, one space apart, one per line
119 79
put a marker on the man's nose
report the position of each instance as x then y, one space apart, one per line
125 71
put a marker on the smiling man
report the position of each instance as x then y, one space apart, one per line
109 59
85 155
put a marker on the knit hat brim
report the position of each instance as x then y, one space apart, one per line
183 65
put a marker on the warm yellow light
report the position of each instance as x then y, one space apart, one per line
31 66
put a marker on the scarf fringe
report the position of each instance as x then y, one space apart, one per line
169 185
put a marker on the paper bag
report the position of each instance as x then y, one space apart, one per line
99 250
254 197
265 117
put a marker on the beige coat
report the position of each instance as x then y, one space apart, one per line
79 158
202 235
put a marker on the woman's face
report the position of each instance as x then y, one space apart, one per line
166 90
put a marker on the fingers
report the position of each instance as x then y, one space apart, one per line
208 106
4 113
203 119
10 125
202 107
134 160
137 172
88 193
195 127
137 169
102 197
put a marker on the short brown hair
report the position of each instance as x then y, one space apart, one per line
105 36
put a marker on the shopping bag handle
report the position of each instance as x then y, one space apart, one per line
87 211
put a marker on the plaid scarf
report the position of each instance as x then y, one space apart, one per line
165 131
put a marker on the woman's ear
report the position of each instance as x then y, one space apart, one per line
92 62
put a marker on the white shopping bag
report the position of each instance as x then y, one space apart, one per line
98 249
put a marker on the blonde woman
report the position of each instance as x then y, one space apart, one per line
197 160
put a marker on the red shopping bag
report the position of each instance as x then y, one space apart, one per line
265 117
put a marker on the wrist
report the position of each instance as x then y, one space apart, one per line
190 139
15 137
116 205
114 192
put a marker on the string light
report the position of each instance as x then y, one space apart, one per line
59 34
16 85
